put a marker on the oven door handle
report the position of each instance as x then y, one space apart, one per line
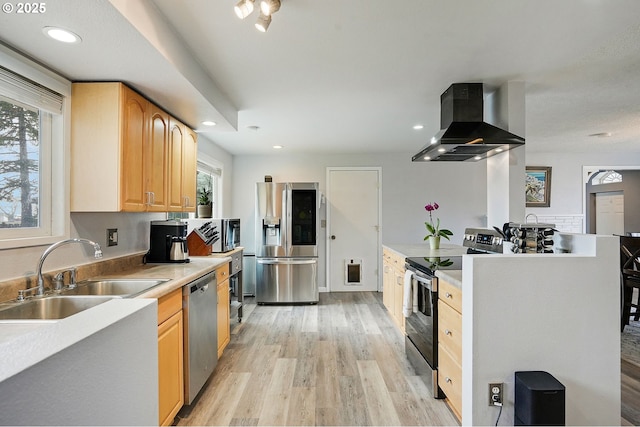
426 282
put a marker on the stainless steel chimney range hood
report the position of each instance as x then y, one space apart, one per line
465 136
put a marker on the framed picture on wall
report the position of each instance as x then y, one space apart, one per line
538 186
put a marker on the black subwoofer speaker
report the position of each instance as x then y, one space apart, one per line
539 399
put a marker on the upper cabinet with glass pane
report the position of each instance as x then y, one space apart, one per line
126 153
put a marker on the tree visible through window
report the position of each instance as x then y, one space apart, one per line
19 164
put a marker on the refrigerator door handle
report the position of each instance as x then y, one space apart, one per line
286 212
286 261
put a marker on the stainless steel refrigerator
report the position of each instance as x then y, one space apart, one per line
287 242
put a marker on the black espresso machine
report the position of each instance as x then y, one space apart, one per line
168 242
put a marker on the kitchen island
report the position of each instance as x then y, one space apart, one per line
558 313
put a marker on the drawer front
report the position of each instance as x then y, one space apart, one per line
450 379
450 294
450 331
169 304
222 273
393 259
236 263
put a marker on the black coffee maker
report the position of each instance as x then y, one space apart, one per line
168 242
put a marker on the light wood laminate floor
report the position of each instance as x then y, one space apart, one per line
340 362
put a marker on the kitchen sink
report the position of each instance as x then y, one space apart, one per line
50 308
114 287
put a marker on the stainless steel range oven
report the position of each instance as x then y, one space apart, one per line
421 326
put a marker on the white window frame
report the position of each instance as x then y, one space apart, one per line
214 164
54 198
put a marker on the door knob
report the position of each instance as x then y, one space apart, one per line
333 237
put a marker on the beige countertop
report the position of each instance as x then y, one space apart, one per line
178 274
423 250
24 343
452 276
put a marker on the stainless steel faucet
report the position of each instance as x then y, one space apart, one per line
58 280
97 254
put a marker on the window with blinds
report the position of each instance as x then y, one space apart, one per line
32 158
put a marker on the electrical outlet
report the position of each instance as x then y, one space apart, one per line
112 237
495 394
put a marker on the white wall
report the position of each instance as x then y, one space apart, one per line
459 189
566 177
554 313
133 236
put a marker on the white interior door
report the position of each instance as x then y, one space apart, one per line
353 216
610 213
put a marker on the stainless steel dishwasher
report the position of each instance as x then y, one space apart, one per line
200 305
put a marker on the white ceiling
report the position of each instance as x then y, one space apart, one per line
353 76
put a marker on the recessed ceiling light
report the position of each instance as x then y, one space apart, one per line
61 35
418 127
209 123
441 150
499 150
427 158
477 158
601 134
277 147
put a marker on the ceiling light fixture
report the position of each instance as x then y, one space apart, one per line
418 127
263 22
209 123
269 6
244 8
277 147
61 35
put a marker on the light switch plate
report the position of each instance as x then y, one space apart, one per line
112 237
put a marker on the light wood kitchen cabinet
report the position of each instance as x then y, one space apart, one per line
134 123
393 285
189 170
174 166
224 324
155 155
182 167
170 357
450 344
120 151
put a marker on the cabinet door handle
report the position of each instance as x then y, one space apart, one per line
447 295
448 380
447 332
